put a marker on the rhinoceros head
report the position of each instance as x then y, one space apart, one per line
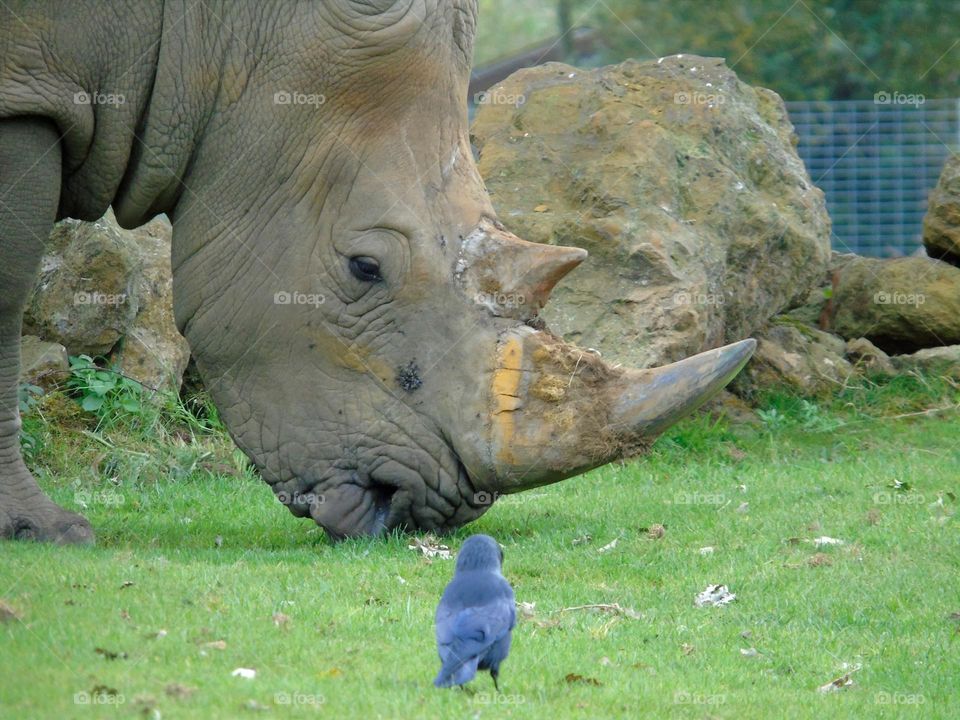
366 325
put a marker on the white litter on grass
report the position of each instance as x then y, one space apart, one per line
714 596
246 673
843 682
430 547
527 610
708 550
749 652
826 541
609 546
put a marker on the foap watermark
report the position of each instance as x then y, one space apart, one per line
298 498
698 98
99 696
99 298
287 97
885 97
496 698
499 97
684 697
500 299
98 98
483 497
108 498
898 698
298 298
698 498
698 298
883 297
299 698
885 497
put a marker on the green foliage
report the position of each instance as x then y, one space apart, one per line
701 434
31 437
506 26
106 392
811 50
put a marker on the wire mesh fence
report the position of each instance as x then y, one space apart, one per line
877 161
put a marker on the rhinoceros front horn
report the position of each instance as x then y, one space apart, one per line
647 402
559 410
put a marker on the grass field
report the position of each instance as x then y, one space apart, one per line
199 571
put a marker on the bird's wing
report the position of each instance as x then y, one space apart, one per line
472 630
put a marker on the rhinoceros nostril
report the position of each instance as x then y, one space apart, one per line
381 497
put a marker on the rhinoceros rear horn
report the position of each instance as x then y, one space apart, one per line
509 276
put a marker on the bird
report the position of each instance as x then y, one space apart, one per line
475 616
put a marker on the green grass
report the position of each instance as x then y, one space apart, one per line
192 544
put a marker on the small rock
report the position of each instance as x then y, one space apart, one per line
42 363
944 360
863 354
901 305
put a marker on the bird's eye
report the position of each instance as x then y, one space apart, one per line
365 268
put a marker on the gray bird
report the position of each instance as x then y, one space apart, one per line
475 615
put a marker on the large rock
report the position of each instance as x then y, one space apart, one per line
152 350
681 181
85 297
900 305
108 291
941 226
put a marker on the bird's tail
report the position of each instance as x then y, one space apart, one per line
456 673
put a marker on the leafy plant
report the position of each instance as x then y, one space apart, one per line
28 397
105 392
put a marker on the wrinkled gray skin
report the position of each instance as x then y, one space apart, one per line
317 153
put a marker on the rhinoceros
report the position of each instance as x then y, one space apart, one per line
365 324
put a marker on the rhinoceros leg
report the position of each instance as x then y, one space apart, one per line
29 192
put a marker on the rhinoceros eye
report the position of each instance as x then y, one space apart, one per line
365 268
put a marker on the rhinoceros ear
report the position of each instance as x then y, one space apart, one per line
509 276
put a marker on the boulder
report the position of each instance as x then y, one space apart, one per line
84 298
794 357
943 360
42 363
941 226
682 182
108 291
900 305
152 350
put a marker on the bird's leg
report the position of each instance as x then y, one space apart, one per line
496 685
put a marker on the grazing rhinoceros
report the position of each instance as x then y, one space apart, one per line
366 326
